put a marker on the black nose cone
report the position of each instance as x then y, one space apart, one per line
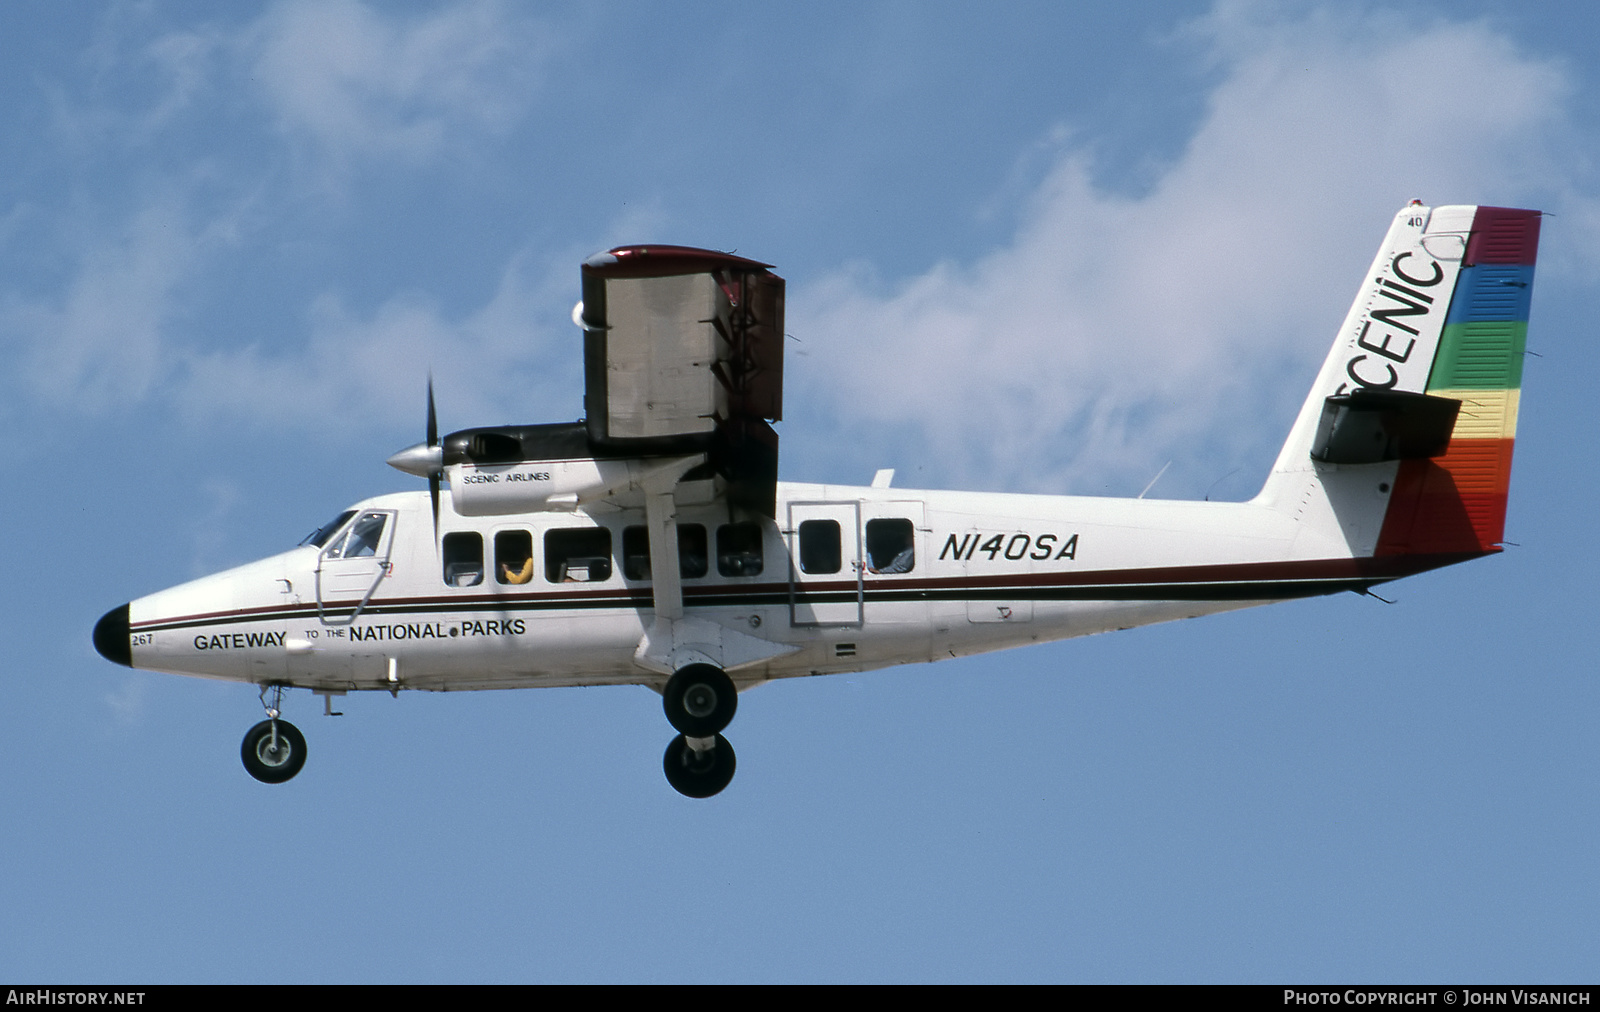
111 636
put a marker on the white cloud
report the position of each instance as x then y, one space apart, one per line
1113 333
109 330
363 81
101 346
356 373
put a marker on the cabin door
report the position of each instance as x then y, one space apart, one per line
351 566
825 576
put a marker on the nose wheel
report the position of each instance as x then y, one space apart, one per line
274 750
700 700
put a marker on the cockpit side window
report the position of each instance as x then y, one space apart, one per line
363 538
320 536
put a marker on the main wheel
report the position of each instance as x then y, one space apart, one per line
698 774
700 700
273 759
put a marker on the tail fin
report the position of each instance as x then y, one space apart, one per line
1404 446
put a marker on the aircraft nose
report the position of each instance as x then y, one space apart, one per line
111 637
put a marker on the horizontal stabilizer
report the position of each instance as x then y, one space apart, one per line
1368 426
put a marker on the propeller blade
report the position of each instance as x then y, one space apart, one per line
433 419
434 474
433 494
426 460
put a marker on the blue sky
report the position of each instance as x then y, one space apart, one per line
1035 247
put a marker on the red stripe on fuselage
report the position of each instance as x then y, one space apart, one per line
1181 579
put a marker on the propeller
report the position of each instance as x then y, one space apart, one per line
433 444
426 460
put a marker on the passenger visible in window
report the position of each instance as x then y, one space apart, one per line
513 552
890 546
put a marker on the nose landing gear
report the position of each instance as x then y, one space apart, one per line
700 700
274 750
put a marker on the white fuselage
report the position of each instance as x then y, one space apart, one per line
828 588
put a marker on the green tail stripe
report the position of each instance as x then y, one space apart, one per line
1480 356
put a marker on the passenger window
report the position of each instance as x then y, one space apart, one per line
693 558
635 553
819 546
890 546
363 539
739 549
513 556
692 555
463 559
577 555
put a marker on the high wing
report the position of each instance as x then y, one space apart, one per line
683 367
683 371
683 353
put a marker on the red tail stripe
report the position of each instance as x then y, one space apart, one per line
1503 235
1453 503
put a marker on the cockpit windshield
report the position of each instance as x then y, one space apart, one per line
320 536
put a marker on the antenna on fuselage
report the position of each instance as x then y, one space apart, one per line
1220 480
1155 479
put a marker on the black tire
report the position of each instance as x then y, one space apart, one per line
267 766
700 700
698 776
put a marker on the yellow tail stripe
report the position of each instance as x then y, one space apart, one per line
1485 414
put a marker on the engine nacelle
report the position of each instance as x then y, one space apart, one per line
480 490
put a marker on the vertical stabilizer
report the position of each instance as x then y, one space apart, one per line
1404 445
1456 502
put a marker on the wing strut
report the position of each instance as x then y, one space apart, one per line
661 521
673 640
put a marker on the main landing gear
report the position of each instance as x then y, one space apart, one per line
700 701
274 750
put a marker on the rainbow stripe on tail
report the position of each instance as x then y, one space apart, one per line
1456 503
